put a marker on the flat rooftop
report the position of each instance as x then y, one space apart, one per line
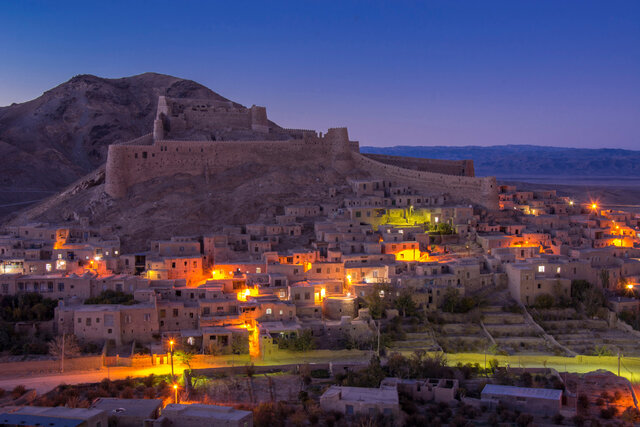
538 393
204 411
382 396
127 407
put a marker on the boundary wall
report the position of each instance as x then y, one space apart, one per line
448 167
481 191
128 165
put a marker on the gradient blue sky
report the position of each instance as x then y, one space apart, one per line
563 73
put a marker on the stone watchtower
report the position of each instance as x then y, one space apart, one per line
162 114
340 149
259 122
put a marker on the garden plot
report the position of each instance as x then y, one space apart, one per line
460 333
512 332
416 341
586 336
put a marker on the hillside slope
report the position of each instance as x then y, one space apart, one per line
53 140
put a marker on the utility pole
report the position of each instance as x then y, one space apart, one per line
378 338
485 360
619 362
62 355
173 378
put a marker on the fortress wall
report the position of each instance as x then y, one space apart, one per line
482 191
223 117
131 164
449 167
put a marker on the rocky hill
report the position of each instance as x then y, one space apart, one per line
513 161
53 140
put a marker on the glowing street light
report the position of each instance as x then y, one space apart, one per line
175 389
171 343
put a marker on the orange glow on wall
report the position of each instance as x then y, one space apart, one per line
408 255
242 295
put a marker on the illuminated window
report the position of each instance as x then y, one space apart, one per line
48 267
558 270
541 269
268 311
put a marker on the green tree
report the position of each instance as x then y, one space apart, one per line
405 304
185 357
301 342
377 300
543 301
239 344
604 278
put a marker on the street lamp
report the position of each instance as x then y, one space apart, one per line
171 343
175 389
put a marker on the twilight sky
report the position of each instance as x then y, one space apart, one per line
563 73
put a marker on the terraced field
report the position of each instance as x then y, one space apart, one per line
587 336
512 333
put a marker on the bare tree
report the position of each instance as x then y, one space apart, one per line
64 346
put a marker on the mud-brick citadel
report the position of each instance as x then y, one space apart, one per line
205 137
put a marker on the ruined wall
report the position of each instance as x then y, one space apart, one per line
144 159
131 164
210 114
448 167
482 191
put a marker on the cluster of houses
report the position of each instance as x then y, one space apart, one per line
246 288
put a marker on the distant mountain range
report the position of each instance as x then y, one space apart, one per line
513 161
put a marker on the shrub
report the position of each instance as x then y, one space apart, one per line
583 402
18 391
320 373
608 413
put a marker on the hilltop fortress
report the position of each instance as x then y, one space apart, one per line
205 137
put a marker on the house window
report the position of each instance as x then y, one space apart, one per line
88 321
175 312
269 311
147 317
541 269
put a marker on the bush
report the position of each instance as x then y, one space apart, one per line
18 391
111 297
320 373
583 402
608 413
544 301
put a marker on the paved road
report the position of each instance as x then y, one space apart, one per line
629 368
43 384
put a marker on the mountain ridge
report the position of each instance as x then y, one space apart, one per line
522 160
49 142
